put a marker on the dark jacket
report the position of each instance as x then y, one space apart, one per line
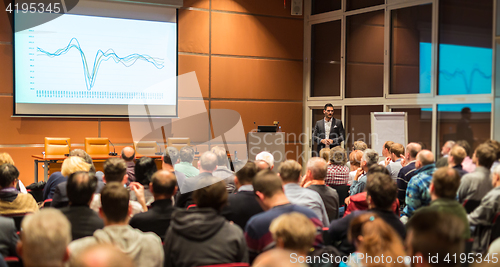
60 197
331 199
337 133
8 237
404 177
183 200
200 236
84 221
50 187
240 207
156 219
460 170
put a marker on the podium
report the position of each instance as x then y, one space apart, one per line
273 143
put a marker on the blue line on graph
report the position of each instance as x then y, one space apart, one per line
101 56
467 82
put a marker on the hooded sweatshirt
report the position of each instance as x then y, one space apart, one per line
200 236
144 248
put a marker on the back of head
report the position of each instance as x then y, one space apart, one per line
164 183
246 174
115 202
485 155
371 157
458 153
267 157
381 189
465 145
290 171
6 158
144 168
495 145
397 149
425 157
74 164
114 170
355 158
435 233
268 183
317 166
262 165
359 145
278 257
294 231
221 154
378 169
446 182
170 156
82 154
388 144
44 238
8 175
213 196
413 149
338 156
208 161
128 153
187 154
324 153
80 188
102 255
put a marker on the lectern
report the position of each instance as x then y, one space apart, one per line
273 143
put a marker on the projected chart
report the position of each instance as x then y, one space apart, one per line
96 60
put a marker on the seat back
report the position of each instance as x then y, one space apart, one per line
470 205
13 261
146 148
18 218
495 228
57 146
97 145
179 142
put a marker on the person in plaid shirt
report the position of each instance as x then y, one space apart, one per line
337 172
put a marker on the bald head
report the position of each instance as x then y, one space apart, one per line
103 255
424 158
128 153
412 150
163 184
208 162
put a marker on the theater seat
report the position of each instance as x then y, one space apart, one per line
18 218
471 205
13 261
97 146
495 228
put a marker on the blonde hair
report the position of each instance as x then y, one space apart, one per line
355 159
6 158
74 164
325 154
295 230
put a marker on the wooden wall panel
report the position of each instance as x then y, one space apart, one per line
24 162
193 31
5 27
234 34
256 78
263 7
6 70
198 64
197 3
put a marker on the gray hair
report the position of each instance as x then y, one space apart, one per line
371 157
318 167
187 154
46 235
496 170
173 153
221 154
208 161
267 157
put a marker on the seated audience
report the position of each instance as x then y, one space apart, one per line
475 185
102 255
437 234
8 237
394 165
407 172
324 153
44 239
445 152
316 173
381 193
455 159
243 204
144 248
468 165
186 164
11 200
200 236
337 172
482 217
222 170
128 155
157 219
145 167
269 190
267 158
417 192
386 152
444 186
496 146
370 158
6 158
207 164
84 221
289 171
374 238
169 158
355 164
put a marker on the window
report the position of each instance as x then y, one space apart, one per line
419 125
358 126
357 4
322 6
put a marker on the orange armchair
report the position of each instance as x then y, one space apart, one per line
97 146
57 146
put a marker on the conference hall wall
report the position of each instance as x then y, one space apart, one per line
247 56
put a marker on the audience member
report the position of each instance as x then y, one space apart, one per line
337 172
222 170
11 200
207 164
435 234
355 164
444 186
289 171
417 192
8 237
407 172
455 158
262 165
44 239
381 194
268 188
386 152
144 248
370 158
70 165
6 158
266 157
359 145
468 165
145 167
325 154
186 164
445 152
242 205
496 146
482 217
128 155
475 185
278 258
374 238
394 165
315 174
169 158
84 221
200 236
163 186
102 255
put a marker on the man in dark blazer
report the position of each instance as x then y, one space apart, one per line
328 132
157 219
84 221
242 205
